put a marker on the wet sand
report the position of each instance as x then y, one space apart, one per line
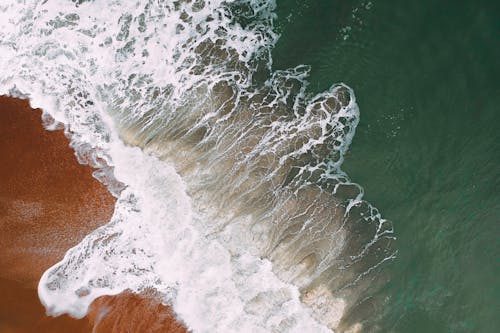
48 203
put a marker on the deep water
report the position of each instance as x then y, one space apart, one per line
427 149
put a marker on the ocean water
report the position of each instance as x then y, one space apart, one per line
427 148
248 197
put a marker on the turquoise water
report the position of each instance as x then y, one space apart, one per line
427 149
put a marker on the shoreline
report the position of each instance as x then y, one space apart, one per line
45 209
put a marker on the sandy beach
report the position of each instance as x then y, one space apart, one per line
48 203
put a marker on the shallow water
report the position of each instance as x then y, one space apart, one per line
427 149
226 172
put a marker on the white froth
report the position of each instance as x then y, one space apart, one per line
91 64
153 239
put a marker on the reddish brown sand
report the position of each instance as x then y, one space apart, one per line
48 203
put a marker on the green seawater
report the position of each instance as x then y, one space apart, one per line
427 149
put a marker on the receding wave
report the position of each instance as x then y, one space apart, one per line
232 204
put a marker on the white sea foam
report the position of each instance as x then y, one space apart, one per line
232 205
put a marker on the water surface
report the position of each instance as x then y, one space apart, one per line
427 149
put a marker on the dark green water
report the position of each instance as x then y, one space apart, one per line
427 149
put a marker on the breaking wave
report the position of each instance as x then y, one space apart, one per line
231 201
